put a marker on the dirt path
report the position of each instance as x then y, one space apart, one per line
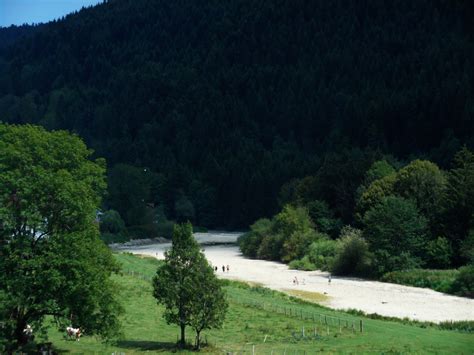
344 293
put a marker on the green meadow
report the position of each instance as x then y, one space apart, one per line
259 320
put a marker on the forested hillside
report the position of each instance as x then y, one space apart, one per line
204 110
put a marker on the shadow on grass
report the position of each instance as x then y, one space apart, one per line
147 345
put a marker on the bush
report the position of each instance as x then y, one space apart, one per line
438 280
291 219
352 254
296 245
110 238
321 253
284 238
302 264
112 228
111 222
249 242
466 326
198 229
463 285
385 261
270 247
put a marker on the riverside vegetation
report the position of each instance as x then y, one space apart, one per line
408 219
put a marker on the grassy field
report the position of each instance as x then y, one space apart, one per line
266 320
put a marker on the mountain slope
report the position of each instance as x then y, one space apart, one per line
229 100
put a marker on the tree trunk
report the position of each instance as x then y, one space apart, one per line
198 340
183 338
20 337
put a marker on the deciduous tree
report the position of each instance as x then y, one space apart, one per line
186 285
52 261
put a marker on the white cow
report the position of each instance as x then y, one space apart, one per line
74 332
28 331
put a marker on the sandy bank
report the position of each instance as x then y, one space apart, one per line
344 293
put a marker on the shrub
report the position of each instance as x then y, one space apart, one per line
249 242
321 253
466 326
352 254
297 243
291 219
112 228
111 222
463 285
270 247
109 238
438 280
385 261
199 229
302 264
284 238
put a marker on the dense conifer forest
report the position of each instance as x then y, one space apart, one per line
204 110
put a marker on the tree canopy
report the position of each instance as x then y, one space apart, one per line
52 261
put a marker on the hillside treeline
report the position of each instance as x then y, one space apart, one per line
204 110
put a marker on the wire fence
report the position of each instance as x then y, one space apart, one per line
298 312
257 349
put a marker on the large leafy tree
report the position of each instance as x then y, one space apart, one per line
52 261
186 285
424 183
396 233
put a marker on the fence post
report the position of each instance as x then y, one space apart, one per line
361 328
